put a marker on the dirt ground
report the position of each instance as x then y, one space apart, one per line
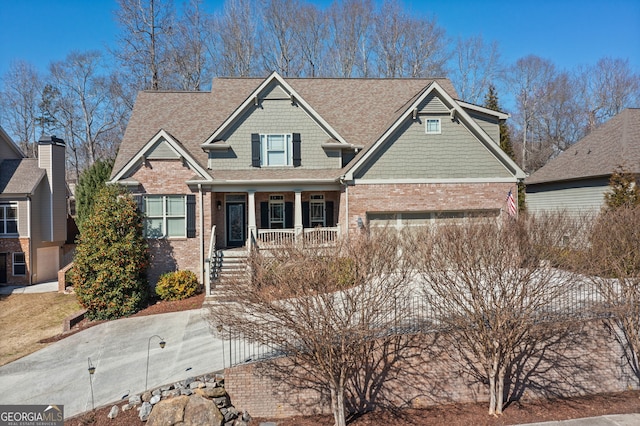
450 415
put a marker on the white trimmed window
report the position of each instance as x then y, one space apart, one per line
277 150
317 210
19 264
165 216
432 126
8 219
276 212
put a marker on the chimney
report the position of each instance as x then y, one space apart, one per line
51 158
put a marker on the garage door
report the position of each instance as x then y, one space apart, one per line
404 220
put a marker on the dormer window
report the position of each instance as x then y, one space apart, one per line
432 126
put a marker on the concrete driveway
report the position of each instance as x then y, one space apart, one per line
58 374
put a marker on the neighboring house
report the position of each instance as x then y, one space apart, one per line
577 179
33 211
260 161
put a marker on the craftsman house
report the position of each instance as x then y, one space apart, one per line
256 162
33 211
577 179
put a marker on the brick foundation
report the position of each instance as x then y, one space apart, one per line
587 362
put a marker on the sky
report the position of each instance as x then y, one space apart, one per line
570 33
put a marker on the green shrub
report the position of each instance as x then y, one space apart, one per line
177 285
111 260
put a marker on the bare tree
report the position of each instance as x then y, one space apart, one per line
490 286
477 65
19 102
190 59
235 38
613 264
529 78
350 24
606 89
391 37
84 107
146 27
279 46
311 36
325 310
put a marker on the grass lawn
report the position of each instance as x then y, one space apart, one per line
25 319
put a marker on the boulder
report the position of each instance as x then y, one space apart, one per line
211 392
135 400
113 413
202 411
146 397
154 399
168 412
145 410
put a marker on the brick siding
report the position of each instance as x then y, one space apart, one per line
422 198
16 245
429 374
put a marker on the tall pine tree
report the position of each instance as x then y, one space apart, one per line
491 102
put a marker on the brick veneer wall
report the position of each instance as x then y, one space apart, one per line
422 197
587 362
16 245
168 177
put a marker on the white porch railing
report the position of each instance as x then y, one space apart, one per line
275 237
310 236
320 236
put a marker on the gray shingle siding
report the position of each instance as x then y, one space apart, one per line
162 151
274 116
583 196
413 154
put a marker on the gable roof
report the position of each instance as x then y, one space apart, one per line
174 145
615 143
19 177
6 139
456 110
359 110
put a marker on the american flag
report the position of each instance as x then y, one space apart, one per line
511 205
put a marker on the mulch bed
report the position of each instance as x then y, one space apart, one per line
155 307
450 415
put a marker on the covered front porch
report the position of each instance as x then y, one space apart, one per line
273 217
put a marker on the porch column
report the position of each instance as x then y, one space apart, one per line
297 213
253 229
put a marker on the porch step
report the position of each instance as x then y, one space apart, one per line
232 268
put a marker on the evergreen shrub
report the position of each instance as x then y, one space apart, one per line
112 257
177 285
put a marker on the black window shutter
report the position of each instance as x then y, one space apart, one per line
328 213
191 216
140 202
306 216
288 215
255 150
297 154
264 215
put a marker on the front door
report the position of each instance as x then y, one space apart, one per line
235 224
3 268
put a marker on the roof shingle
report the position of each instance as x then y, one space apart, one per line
360 110
615 143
